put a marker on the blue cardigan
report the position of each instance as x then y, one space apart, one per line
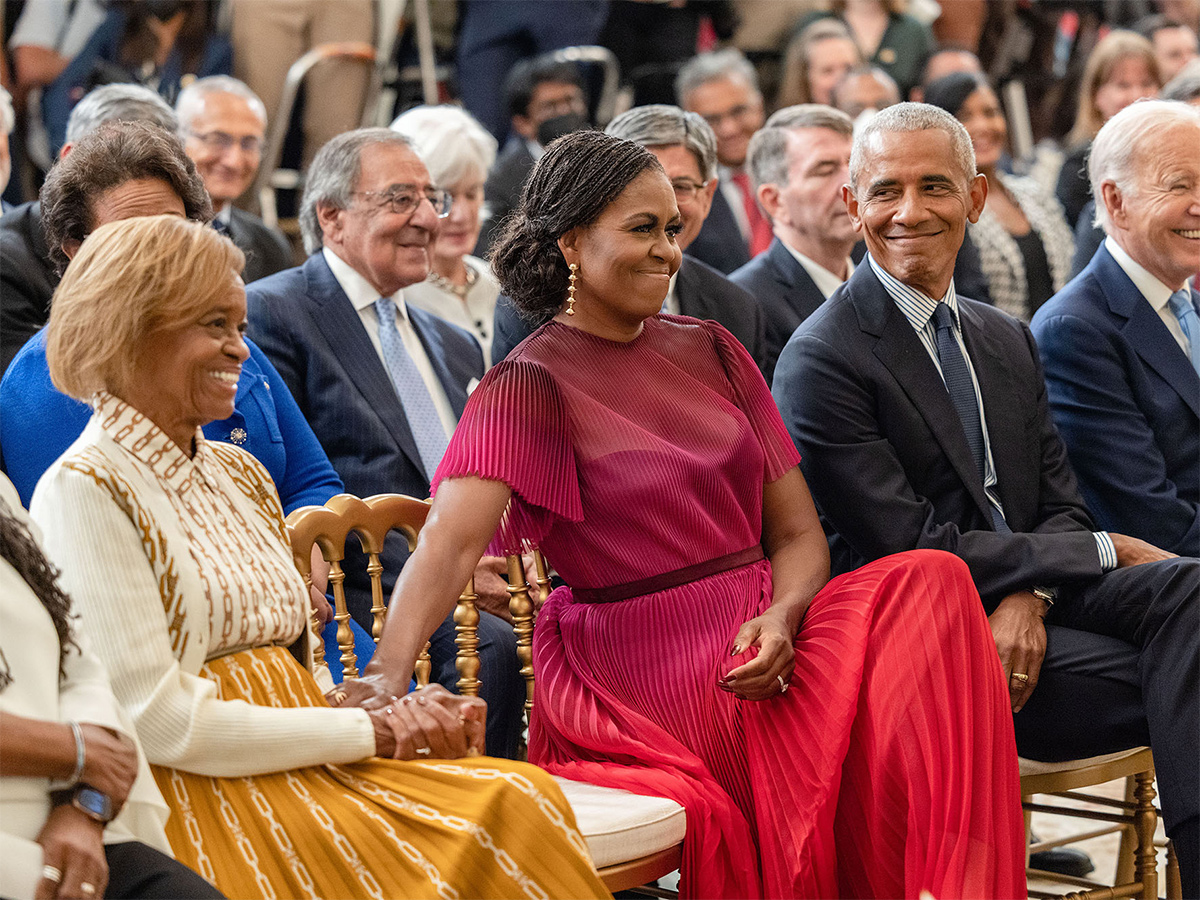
38 424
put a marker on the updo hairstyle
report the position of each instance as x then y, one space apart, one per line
570 186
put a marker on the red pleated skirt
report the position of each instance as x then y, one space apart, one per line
889 768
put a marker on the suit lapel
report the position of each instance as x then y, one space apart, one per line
1144 329
425 324
795 284
1002 413
900 350
343 329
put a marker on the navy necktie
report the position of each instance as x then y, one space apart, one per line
957 376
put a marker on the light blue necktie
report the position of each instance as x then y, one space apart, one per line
423 419
962 394
1189 321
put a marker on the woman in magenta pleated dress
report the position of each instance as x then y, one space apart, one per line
846 738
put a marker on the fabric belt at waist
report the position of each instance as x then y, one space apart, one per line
666 580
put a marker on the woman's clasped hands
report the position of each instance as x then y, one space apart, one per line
428 723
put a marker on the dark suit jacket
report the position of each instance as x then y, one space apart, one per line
703 293
503 190
720 243
26 279
1127 403
786 293
309 329
887 461
267 251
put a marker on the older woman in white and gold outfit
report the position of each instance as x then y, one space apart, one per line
174 549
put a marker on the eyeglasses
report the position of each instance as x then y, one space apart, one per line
220 141
686 189
405 201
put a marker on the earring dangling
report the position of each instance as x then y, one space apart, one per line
571 289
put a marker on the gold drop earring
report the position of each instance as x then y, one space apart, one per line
571 289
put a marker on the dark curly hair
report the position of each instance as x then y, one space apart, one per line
113 154
21 551
580 175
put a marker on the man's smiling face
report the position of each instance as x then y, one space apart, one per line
912 203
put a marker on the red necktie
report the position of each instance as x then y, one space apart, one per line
760 225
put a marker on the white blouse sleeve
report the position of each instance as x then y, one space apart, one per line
180 720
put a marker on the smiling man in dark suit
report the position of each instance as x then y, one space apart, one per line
686 147
799 162
382 384
923 422
1121 343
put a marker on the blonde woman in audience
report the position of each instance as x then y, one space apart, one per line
458 153
1122 68
815 61
174 548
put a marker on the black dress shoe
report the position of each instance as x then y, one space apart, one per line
1062 860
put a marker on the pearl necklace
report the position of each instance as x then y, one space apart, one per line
458 290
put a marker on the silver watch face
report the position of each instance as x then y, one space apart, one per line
93 803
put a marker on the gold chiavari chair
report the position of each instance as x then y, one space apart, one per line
633 839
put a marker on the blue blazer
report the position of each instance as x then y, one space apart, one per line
1127 402
786 293
39 424
309 329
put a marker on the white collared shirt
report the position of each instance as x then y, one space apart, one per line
918 310
1157 294
733 196
671 303
363 296
825 280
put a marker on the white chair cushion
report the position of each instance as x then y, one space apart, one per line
619 826
1033 767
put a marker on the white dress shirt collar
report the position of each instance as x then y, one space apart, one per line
825 280
360 291
1157 294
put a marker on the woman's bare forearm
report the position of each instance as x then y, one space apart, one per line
460 525
795 543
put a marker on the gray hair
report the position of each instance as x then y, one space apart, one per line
450 141
864 70
1121 142
333 176
8 118
119 103
191 98
713 66
662 125
767 156
910 117
1185 86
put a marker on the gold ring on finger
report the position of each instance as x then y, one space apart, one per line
52 874
1021 677
783 685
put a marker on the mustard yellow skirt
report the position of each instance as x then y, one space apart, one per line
380 828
